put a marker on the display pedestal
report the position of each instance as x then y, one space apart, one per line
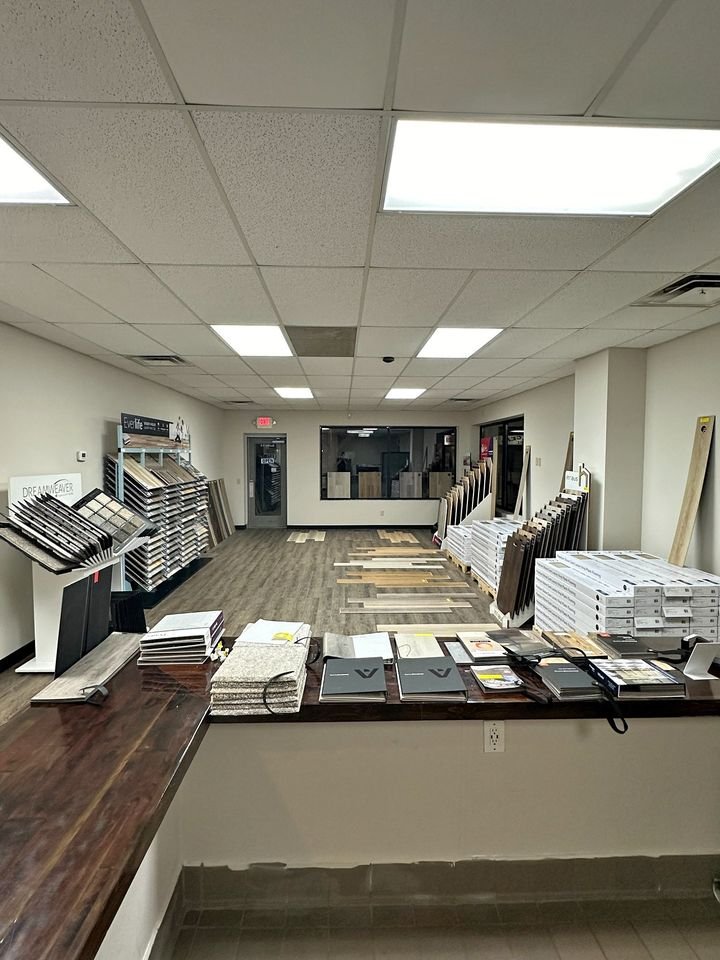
47 604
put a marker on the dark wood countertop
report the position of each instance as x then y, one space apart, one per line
84 789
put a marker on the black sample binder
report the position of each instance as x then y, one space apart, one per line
429 679
352 679
84 618
637 679
567 681
626 646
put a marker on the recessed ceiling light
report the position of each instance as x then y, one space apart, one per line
294 393
20 182
404 393
459 166
457 342
254 341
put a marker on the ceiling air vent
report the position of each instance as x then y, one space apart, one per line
234 403
164 361
694 290
460 399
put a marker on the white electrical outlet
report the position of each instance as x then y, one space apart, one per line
81 456
538 462
494 736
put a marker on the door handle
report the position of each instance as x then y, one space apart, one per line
251 489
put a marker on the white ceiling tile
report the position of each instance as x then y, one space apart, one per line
409 297
497 298
655 337
593 295
171 374
25 286
483 367
200 381
323 394
221 365
534 367
299 53
219 294
127 290
330 383
642 318
37 233
82 50
140 172
15 317
117 338
581 343
274 365
458 384
681 235
243 382
196 340
65 338
375 367
490 56
314 296
697 322
497 242
493 384
429 368
676 72
300 183
360 392
416 381
516 344
380 342
334 366
374 382
286 380
367 404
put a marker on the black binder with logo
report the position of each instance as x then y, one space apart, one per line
430 678
356 678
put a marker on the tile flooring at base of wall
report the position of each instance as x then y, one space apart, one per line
615 908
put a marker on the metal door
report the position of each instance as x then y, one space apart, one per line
266 482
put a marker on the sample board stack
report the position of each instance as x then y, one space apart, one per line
174 498
626 592
221 524
558 526
458 540
487 550
464 497
259 678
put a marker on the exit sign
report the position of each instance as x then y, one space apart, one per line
265 422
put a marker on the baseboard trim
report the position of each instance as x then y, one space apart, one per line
241 526
17 656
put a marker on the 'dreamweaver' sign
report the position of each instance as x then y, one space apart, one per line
65 486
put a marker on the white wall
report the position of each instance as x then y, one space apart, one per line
132 932
55 402
304 506
548 413
683 383
590 427
342 794
624 453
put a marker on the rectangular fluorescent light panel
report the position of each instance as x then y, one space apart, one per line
20 182
294 393
457 342
458 166
254 341
404 393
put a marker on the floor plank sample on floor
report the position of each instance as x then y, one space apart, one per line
439 629
397 536
304 536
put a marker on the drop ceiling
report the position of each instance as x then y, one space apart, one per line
225 163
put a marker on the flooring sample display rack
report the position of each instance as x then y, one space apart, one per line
626 591
165 487
472 498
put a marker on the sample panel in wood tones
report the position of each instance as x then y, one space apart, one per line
702 442
397 536
438 483
338 486
369 484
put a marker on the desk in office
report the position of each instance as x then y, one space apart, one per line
85 788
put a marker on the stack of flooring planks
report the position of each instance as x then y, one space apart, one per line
397 536
302 536
558 526
467 494
458 542
488 548
626 591
174 498
405 603
221 521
